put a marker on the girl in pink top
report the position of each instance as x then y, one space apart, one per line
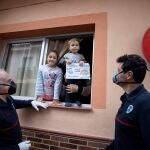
49 79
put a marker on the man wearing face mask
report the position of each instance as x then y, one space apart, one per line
132 123
10 130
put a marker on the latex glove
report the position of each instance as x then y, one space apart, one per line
24 145
37 104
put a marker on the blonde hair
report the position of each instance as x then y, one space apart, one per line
72 40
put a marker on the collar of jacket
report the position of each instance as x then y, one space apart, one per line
6 104
133 94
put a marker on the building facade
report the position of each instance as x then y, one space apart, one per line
107 29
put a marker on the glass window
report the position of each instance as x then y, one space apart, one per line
22 63
23 58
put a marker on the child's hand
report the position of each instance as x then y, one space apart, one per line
72 88
68 61
65 77
39 98
56 102
81 63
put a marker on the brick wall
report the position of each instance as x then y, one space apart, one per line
45 140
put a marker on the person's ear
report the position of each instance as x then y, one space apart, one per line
129 75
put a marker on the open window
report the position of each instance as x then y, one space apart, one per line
86 48
22 58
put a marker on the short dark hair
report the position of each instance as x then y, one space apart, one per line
134 63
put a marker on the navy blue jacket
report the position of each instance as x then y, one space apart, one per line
10 130
132 124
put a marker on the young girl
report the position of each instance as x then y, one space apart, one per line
49 79
73 57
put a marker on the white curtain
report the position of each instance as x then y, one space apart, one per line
22 64
60 46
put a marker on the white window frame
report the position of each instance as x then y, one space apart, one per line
5 53
44 49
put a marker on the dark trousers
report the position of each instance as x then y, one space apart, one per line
73 97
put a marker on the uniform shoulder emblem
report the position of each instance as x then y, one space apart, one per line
129 109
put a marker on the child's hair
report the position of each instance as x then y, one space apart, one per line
54 51
73 39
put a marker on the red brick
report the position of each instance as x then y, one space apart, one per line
50 142
97 144
34 139
57 148
66 145
80 142
41 140
44 136
86 148
59 138
43 146
28 133
34 148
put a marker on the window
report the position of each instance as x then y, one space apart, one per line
23 58
86 48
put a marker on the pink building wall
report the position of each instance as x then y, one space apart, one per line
126 23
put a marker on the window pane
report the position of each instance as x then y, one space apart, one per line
22 63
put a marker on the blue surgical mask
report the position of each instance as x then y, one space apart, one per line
115 77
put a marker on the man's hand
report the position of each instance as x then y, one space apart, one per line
24 145
37 104
72 88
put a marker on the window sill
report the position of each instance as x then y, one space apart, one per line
74 106
59 105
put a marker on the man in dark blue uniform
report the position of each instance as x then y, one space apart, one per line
10 130
132 123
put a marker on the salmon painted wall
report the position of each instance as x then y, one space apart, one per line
126 23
